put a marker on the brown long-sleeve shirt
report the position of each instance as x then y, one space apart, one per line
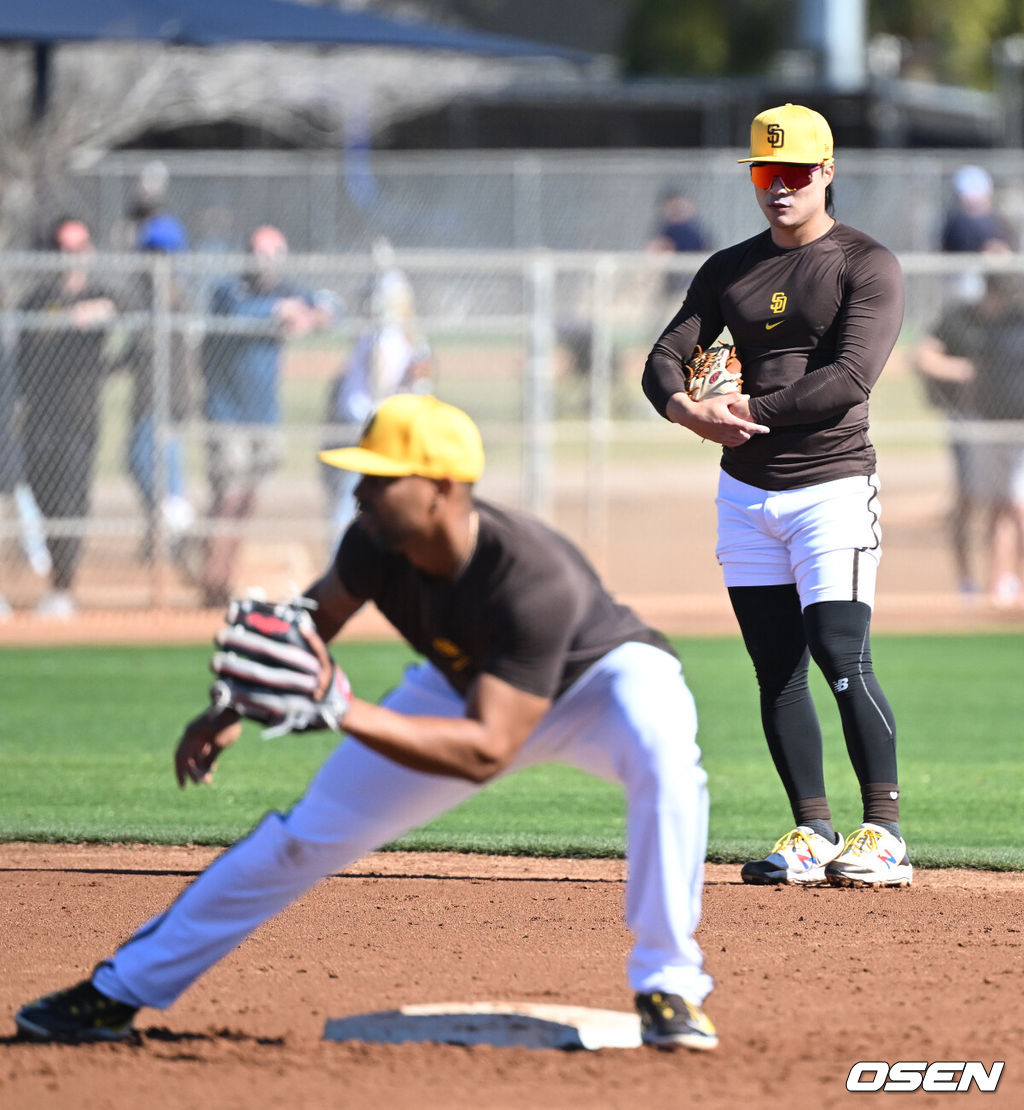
813 328
528 608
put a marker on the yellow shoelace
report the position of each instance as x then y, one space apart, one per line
792 839
862 841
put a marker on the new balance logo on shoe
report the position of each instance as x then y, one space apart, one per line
798 858
871 857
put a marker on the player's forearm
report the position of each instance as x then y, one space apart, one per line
333 605
682 411
664 373
459 747
820 395
663 380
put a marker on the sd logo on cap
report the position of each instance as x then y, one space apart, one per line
790 133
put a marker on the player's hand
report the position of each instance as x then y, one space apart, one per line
724 419
738 407
204 738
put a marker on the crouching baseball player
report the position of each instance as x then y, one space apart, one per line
526 659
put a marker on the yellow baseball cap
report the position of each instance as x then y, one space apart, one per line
413 433
790 133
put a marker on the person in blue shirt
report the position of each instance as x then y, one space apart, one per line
241 370
973 224
679 231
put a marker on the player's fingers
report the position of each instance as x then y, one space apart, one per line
185 769
201 768
191 765
181 769
743 416
750 427
319 649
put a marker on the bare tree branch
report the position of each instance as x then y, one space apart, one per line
105 95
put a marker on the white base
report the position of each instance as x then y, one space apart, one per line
505 1024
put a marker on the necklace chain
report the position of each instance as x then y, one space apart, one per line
474 531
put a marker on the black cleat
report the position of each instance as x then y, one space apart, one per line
667 1020
77 1014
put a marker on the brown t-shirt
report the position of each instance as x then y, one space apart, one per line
528 608
813 328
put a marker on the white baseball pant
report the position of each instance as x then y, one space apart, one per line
630 718
825 538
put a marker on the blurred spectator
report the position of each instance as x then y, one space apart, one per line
944 359
576 340
972 225
163 234
11 464
972 364
150 194
62 364
13 483
148 198
241 370
390 356
679 231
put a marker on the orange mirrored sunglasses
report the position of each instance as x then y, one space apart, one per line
793 176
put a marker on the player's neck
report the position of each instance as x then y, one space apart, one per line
821 223
449 552
468 544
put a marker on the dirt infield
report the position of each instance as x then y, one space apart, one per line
807 983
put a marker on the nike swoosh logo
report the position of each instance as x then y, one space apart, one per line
768 327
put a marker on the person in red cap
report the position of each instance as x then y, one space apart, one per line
526 659
814 308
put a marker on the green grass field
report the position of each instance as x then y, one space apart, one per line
87 736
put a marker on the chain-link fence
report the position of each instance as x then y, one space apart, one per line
162 413
504 200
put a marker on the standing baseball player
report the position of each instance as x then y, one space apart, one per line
526 660
814 308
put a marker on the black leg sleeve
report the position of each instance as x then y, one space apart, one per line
773 632
838 634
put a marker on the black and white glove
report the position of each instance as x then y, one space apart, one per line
274 668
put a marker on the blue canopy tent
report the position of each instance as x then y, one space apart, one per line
210 23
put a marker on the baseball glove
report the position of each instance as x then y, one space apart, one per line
713 372
274 668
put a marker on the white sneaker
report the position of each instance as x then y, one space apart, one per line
798 857
178 514
58 605
1006 591
871 857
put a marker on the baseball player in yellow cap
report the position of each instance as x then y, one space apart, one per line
814 308
526 660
